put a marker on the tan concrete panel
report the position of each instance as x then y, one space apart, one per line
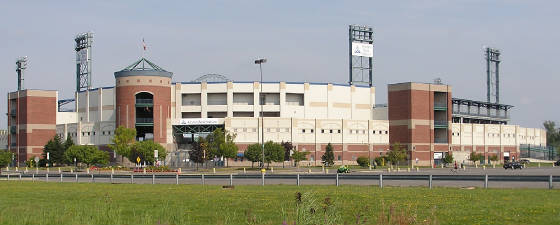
363 106
342 105
318 104
143 81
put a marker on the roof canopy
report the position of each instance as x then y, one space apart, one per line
143 67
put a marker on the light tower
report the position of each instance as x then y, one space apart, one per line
21 65
83 61
492 74
360 55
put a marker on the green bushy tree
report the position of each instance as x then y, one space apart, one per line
396 154
328 157
273 152
254 153
145 150
5 158
299 156
363 161
122 141
88 154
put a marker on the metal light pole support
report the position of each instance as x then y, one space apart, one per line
176 178
297 182
46 177
61 178
33 177
8 177
230 179
111 178
380 180
132 178
92 178
202 178
153 178
485 181
337 180
430 182
550 182
262 179
20 177
76 178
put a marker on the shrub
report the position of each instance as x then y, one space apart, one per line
381 160
363 161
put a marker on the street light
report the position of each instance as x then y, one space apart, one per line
261 102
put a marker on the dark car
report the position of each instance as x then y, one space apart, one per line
525 161
513 165
557 163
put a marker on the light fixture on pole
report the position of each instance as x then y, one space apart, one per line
261 101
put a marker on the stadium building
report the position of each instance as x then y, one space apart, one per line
424 118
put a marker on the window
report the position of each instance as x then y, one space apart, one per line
339 131
88 133
83 134
303 131
374 132
312 130
386 132
339 158
331 131
103 133
94 133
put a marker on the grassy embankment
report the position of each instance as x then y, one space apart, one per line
85 203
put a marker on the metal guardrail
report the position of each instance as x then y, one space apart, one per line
296 177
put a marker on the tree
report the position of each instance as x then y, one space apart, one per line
493 158
552 135
273 152
328 157
288 146
122 141
448 158
221 144
145 150
396 154
56 150
87 154
363 161
299 156
253 153
198 153
474 157
5 158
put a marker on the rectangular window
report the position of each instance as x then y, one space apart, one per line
339 131
303 131
331 131
312 130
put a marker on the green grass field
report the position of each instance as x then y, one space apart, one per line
84 203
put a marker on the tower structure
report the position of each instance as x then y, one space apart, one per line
492 75
143 100
21 65
360 55
83 61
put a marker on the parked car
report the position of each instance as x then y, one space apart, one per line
513 165
557 163
524 161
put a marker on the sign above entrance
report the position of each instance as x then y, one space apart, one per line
200 121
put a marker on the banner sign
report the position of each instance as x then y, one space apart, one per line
506 154
362 49
199 121
438 155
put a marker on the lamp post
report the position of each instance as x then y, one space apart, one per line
261 102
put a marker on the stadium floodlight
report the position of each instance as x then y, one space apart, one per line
261 101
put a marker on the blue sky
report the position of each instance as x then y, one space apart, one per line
303 41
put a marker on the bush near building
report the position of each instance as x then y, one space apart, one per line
5 158
363 161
